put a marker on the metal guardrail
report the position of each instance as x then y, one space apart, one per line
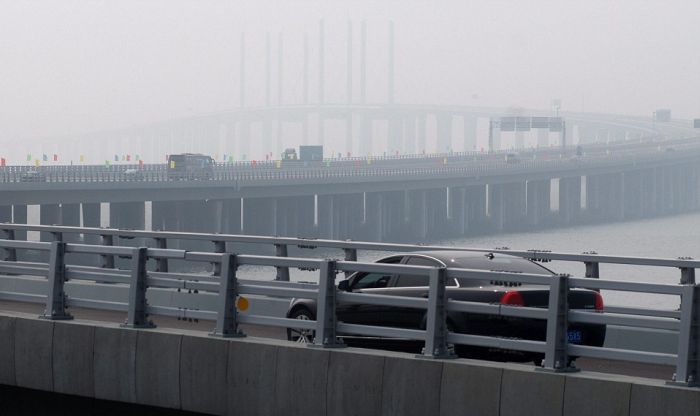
226 284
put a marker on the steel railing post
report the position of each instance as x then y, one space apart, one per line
9 254
282 271
688 365
107 260
556 357
592 269
227 314
161 263
350 255
56 296
219 247
138 305
325 315
436 319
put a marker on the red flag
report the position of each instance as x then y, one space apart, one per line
2 161
140 162
55 157
128 158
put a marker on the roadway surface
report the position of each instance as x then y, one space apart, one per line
587 364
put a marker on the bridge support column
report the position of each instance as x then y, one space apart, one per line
231 211
542 137
475 204
374 218
294 218
436 212
457 213
393 211
5 213
569 200
395 135
70 216
444 132
514 199
49 214
365 145
422 134
538 202
409 129
127 215
470 129
19 216
496 206
416 209
91 219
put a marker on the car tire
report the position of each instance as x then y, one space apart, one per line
301 336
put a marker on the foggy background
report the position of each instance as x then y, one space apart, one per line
71 67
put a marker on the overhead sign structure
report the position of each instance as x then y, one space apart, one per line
511 123
696 123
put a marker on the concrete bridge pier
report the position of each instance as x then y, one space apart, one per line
49 214
496 206
444 132
19 216
476 219
395 134
70 216
538 202
374 216
633 193
470 132
91 218
409 130
167 215
416 222
394 213
339 216
569 200
422 133
231 216
5 213
457 212
436 212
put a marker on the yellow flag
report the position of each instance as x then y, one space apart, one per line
36 162
172 164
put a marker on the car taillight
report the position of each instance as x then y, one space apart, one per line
599 302
512 297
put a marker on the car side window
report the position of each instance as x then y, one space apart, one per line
372 281
406 280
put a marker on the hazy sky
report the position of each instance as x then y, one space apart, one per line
73 66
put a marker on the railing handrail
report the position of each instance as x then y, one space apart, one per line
226 285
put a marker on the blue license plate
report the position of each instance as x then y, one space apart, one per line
575 336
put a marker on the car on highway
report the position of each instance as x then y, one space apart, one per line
462 289
32 175
133 175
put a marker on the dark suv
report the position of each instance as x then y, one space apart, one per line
487 291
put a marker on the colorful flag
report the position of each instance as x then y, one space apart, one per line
45 158
2 161
36 162
278 163
138 157
82 158
172 164
55 157
128 158
116 158
140 162
29 157
107 162
230 159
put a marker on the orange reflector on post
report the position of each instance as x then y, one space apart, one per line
242 304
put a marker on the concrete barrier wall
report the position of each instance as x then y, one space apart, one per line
192 371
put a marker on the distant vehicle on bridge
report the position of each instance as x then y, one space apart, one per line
485 291
289 154
33 175
190 166
311 153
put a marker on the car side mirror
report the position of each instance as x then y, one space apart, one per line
344 285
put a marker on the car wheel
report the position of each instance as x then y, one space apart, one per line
301 336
